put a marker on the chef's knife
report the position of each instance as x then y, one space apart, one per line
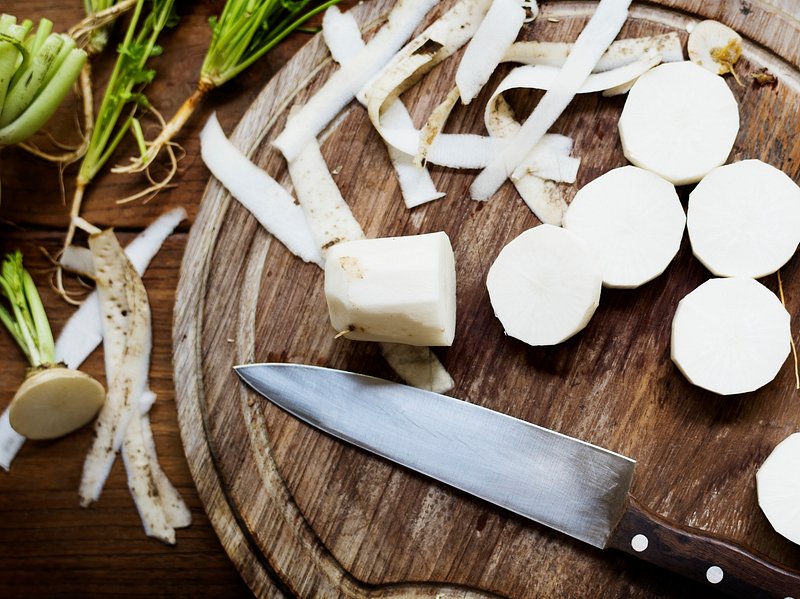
564 483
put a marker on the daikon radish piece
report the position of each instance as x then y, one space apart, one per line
632 220
440 40
544 285
778 488
343 85
744 219
77 259
730 335
394 289
592 42
679 121
714 46
54 402
264 197
434 125
10 441
486 49
619 53
418 366
343 38
327 214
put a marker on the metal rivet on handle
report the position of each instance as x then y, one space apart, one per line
714 574
639 543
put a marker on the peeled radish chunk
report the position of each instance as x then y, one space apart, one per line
779 488
714 46
55 401
744 219
398 289
730 335
679 121
632 220
544 286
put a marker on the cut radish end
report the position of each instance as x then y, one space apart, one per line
544 286
730 335
679 121
55 401
396 289
632 220
779 488
744 219
714 46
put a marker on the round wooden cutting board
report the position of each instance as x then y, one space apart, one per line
302 514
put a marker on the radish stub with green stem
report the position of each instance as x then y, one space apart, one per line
53 400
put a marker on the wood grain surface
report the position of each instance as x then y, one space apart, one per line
359 522
302 513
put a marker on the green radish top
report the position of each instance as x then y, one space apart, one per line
23 314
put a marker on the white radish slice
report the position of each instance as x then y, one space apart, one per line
418 366
679 121
442 39
632 220
343 38
264 197
77 259
434 125
10 441
343 85
485 51
744 219
393 289
592 42
730 335
544 285
778 487
619 53
714 46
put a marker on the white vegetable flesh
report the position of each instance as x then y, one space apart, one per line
77 259
592 42
496 33
679 121
632 220
418 366
264 197
714 46
83 332
730 335
394 289
744 219
343 38
544 285
778 487
343 85
55 401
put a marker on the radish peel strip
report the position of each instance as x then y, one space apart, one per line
343 38
83 332
343 85
595 38
263 197
320 198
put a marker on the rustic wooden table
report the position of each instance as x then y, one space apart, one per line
49 546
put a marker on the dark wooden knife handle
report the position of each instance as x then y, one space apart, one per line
692 553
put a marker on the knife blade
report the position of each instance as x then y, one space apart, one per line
561 482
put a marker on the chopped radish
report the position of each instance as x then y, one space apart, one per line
714 46
744 219
730 335
395 289
679 121
545 285
418 366
592 42
485 50
632 220
434 125
778 488
343 85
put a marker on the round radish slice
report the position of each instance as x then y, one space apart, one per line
632 220
744 219
730 335
679 121
779 488
544 286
